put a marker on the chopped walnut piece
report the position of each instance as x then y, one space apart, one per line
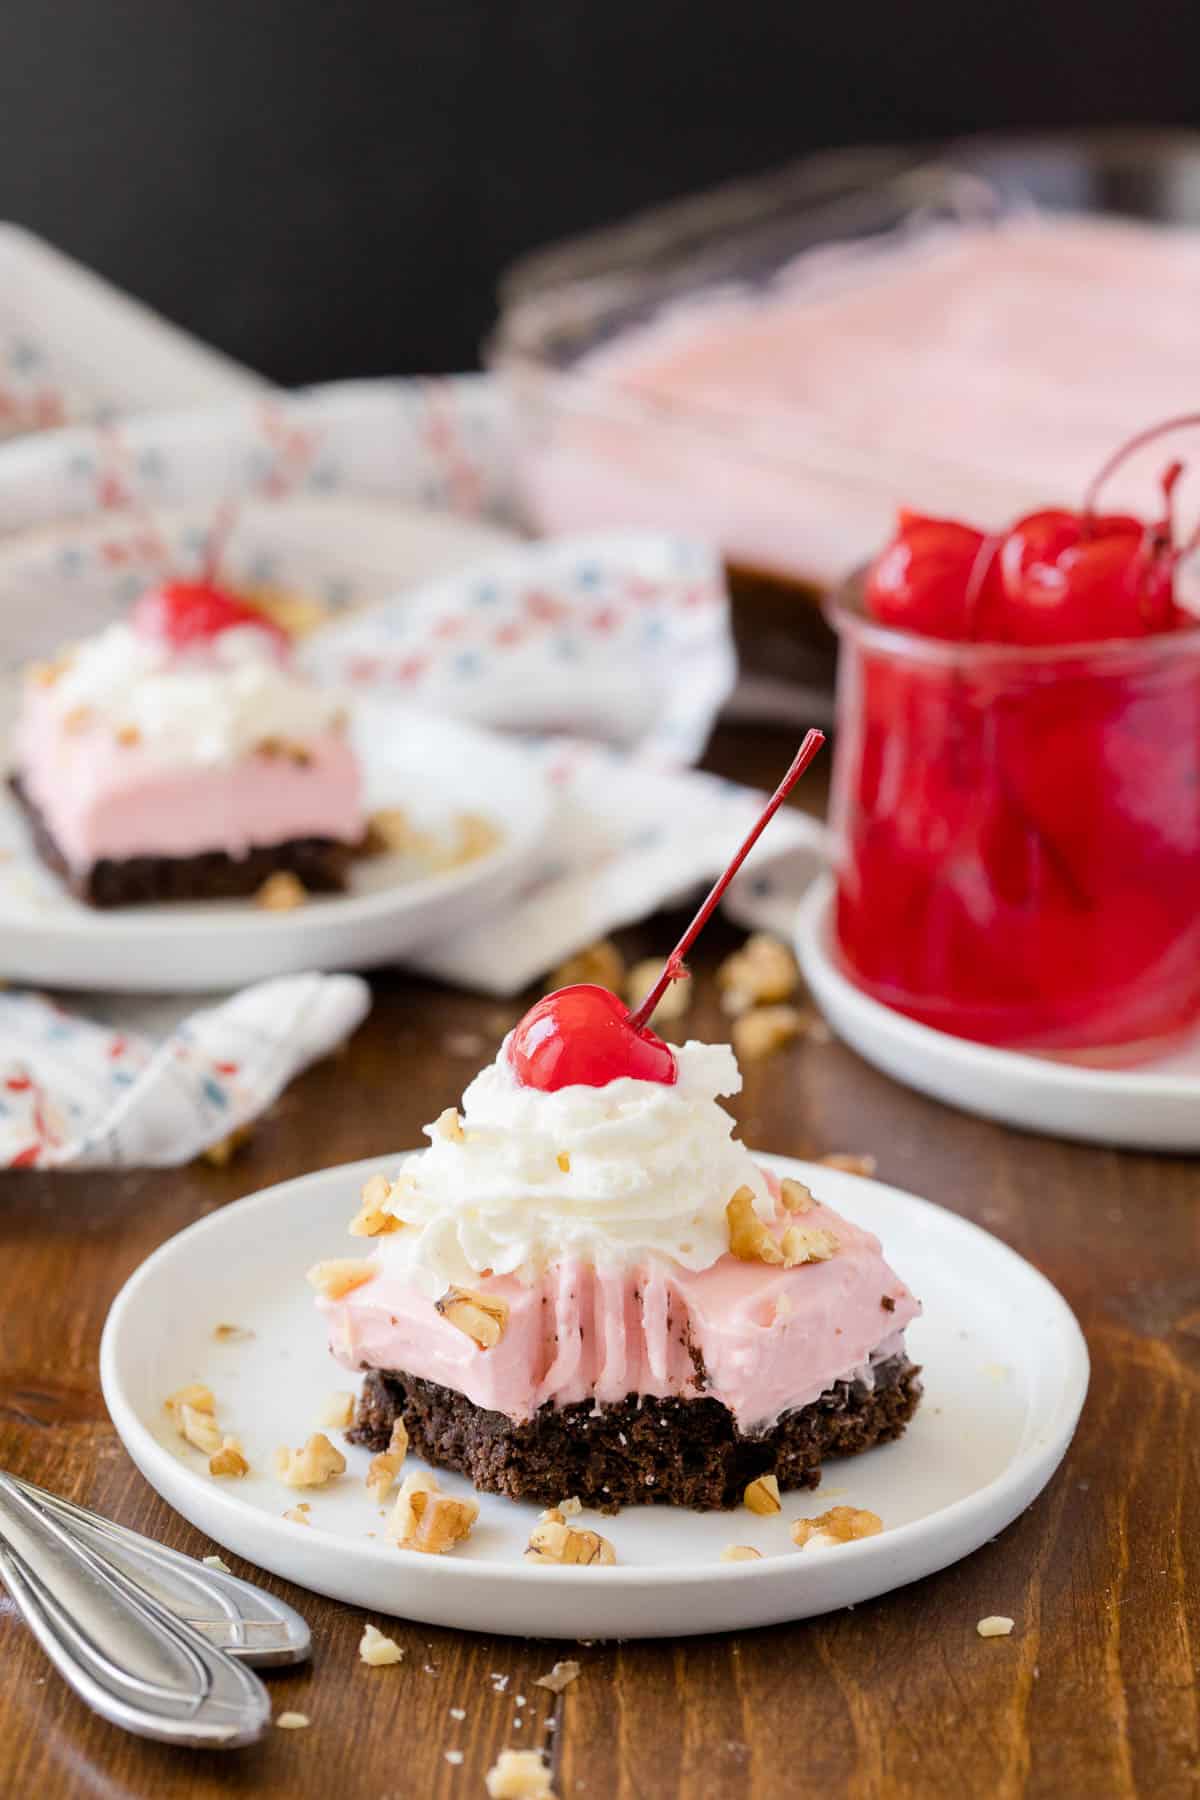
764 969
425 1519
199 1429
805 1244
519 1775
389 832
570 1506
338 1411
676 999
229 1460
298 1515
764 1030
449 1125
128 736
373 1219
749 1239
45 674
853 1165
840 1525
222 1153
552 1540
293 1721
995 1625
281 892
340 1276
600 964
794 1197
195 1395
481 1316
559 1677
474 836
385 1468
232 1334
311 1466
218 1563
276 746
762 1496
740 1553
378 1650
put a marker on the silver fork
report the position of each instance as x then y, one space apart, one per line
152 1640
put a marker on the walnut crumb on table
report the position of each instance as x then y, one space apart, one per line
764 1030
292 1721
519 1775
378 1650
600 964
995 1625
559 1677
222 1153
763 970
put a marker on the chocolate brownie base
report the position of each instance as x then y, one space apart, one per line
320 863
682 1452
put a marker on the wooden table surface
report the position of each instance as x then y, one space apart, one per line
1095 1692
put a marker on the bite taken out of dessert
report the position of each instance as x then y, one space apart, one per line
181 754
587 1285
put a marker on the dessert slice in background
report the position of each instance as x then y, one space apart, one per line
182 755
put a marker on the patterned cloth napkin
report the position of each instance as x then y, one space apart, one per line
80 1095
622 639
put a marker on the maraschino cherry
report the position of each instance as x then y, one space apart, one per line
584 1036
184 614
1055 577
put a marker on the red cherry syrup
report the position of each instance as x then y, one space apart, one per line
584 1036
1018 835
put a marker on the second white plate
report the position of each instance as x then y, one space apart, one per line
432 768
1005 1371
1155 1106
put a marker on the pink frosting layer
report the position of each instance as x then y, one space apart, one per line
105 799
769 1339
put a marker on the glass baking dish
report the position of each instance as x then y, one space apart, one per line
782 363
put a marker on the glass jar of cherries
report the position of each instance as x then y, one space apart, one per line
1016 813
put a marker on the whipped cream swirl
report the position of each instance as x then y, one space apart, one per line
613 1175
207 704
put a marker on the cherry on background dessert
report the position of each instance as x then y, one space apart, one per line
1017 792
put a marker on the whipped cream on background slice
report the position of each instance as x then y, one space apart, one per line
651 1170
206 706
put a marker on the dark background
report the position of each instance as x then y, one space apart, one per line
324 187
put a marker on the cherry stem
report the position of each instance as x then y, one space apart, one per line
673 969
1126 450
218 540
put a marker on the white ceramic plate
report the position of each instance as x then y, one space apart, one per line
1153 1107
1006 1371
433 768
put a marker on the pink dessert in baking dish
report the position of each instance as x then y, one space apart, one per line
181 754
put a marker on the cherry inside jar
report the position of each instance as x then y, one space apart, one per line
1017 834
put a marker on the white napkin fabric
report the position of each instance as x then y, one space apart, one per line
79 1095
